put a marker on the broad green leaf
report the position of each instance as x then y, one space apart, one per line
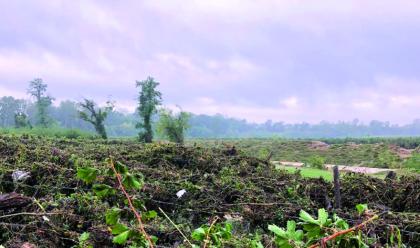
322 216
121 238
199 234
291 226
361 208
87 174
150 214
103 190
112 215
277 230
303 215
298 235
120 168
84 236
119 228
131 182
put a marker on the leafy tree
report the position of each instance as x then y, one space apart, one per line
149 98
95 115
21 120
10 106
172 125
37 89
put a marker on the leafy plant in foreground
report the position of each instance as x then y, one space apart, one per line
212 235
321 229
120 228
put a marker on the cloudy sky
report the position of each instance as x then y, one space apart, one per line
288 61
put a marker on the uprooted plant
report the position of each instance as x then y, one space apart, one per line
323 230
123 230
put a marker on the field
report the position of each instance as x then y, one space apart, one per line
386 153
66 194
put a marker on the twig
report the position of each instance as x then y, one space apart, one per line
130 203
208 232
179 230
337 234
26 213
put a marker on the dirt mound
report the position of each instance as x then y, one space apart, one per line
318 145
401 152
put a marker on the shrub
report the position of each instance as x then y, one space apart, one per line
316 161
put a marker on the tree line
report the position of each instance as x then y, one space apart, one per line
171 125
151 120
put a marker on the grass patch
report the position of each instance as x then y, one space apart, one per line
308 172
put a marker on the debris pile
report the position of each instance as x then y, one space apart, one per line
52 207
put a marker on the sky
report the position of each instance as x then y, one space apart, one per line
290 61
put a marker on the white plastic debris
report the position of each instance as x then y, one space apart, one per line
45 218
20 176
181 193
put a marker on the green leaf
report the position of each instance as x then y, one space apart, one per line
277 231
131 182
150 214
103 190
121 238
199 234
322 216
87 174
120 168
361 208
84 236
298 235
112 215
303 215
291 226
119 228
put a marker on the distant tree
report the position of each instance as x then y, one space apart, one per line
37 89
95 115
9 106
149 99
21 120
173 126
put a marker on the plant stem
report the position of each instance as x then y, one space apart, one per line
130 203
179 230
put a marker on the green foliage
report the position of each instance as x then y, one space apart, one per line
96 116
173 126
53 132
121 231
131 182
361 208
84 240
287 238
103 190
112 216
148 100
315 229
386 159
21 121
37 89
87 174
212 235
316 161
413 162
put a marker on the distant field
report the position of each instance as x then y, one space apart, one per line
385 154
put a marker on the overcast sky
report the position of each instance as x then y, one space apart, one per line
288 61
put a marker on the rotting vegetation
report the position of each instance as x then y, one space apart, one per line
228 195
